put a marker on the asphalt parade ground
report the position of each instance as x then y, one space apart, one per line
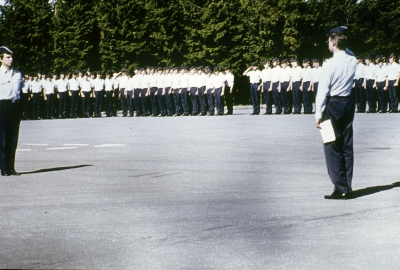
238 192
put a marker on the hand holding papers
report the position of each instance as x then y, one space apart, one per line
327 132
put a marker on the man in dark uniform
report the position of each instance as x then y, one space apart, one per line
10 116
334 103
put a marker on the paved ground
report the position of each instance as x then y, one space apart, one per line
236 192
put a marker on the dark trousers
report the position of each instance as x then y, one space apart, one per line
143 98
129 101
74 103
228 97
297 93
137 101
124 103
161 101
168 101
36 102
360 95
25 104
98 103
193 98
393 98
307 104
255 98
177 101
211 104
339 154
9 130
218 101
86 104
277 97
268 99
202 100
185 103
115 102
50 105
371 96
315 91
62 104
285 98
109 103
382 96
154 100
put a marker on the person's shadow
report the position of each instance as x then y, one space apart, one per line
56 169
371 190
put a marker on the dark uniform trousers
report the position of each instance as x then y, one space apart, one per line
202 100
86 104
360 95
218 101
307 103
394 100
168 102
143 98
285 99
277 97
137 101
154 100
36 102
185 103
211 103
98 103
382 96
161 101
296 97
25 104
74 103
177 101
10 117
255 98
193 97
124 104
115 102
315 91
267 95
129 101
371 96
228 96
62 104
50 105
109 103
339 154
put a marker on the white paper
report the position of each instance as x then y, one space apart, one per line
327 132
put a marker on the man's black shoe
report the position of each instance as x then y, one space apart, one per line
4 173
13 172
337 196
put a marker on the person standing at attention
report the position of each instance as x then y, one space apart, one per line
10 116
255 76
334 103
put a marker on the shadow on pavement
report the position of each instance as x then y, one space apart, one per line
57 169
371 190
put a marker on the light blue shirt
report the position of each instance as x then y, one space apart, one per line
11 83
336 79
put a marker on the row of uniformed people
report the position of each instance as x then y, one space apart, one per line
286 86
168 89
173 91
375 84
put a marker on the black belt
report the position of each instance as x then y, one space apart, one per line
339 98
9 101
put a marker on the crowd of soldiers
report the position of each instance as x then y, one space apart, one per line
151 91
291 88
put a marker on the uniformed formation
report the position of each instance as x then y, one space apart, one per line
154 91
293 89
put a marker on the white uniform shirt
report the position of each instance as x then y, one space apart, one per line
336 80
229 79
276 74
123 80
49 87
130 86
73 84
210 82
201 80
25 88
266 74
11 83
285 74
86 85
369 72
98 84
219 80
307 74
359 71
109 84
316 74
296 74
393 71
381 73
62 85
36 86
254 75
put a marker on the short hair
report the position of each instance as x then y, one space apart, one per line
340 40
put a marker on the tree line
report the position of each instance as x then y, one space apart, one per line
111 34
